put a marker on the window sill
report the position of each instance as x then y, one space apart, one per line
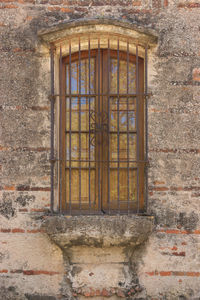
98 231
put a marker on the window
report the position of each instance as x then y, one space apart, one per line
101 126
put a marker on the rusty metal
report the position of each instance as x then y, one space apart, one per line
52 99
60 131
137 123
99 132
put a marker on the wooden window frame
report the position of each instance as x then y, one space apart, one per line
140 133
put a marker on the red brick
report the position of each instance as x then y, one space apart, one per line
193 274
189 5
54 8
105 293
178 273
9 188
150 273
160 189
23 210
179 253
158 182
9 6
5 230
39 272
166 3
3 271
66 10
136 3
35 231
165 273
174 248
18 230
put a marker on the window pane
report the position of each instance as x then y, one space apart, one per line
86 86
122 77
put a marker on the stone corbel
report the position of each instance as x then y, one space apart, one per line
98 253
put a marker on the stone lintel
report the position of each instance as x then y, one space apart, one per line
62 31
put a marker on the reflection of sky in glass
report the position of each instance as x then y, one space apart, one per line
85 87
122 77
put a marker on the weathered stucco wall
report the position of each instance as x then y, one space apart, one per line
168 266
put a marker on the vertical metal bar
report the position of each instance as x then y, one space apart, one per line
52 125
89 73
99 120
108 126
146 124
128 192
70 131
79 60
60 129
118 191
137 123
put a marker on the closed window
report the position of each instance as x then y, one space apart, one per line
102 131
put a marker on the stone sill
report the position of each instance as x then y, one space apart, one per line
98 231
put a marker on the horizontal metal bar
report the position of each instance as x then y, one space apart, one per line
92 130
111 161
110 95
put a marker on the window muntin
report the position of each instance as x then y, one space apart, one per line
103 132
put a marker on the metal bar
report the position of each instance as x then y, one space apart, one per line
146 125
108 126
60 129
93 168
70 130
137 122
111 132
118 165
113 161
52 125
111 95
79 60
89 73
99 108
128 190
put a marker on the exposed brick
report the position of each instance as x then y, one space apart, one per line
196 71
18 230
9 6
165 273
67 10
189 5
150 273
4 271
39 272
193 274
35 231
9 188
136 3
5 230
53 8
158 182
160 189
179 253
178 273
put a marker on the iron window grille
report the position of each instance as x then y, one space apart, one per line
99 133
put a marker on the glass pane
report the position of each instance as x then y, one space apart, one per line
123 188
86 84
84 186
122 77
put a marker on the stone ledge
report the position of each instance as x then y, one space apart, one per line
98 231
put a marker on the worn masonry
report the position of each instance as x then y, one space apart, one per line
127 257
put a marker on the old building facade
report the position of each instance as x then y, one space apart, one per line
152 252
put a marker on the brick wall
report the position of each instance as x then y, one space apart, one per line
31 265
